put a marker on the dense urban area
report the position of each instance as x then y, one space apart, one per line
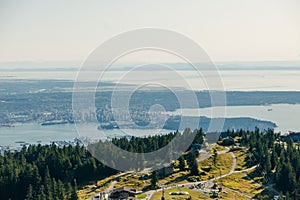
51 101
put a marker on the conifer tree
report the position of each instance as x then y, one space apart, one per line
193 165
154 179
181 163
29 195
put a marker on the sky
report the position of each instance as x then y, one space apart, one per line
229 30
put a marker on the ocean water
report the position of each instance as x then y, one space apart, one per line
238 80
286 116
34 133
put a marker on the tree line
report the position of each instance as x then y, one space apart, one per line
278 162
49 172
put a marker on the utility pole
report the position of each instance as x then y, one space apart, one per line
163 193
221 183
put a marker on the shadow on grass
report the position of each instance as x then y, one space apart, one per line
265 195
92 189
248 178
178 179
149 187
256 175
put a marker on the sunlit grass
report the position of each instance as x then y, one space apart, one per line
227 194
90 190
241 162
178 177
239 182
217 147
223 166
194 194
133 181
141 196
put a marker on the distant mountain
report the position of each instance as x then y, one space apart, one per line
75 65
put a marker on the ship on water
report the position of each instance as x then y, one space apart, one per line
108 126
54 122
7 125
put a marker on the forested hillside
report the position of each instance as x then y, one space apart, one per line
50 172
47 172
278 162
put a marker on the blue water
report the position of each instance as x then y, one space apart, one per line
34 133
286 116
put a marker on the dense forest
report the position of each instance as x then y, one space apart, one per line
49 172
156 156
153 143
278 162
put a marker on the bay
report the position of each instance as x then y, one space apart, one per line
34 133
286 116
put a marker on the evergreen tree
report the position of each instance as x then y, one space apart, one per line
48 184
274 159
268 166
60 190
41 194
154 179
193 165
29 195
291 179
181 163
215 155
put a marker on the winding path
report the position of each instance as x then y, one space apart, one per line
151 192
210 181
113 183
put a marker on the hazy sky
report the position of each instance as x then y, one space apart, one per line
229 30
